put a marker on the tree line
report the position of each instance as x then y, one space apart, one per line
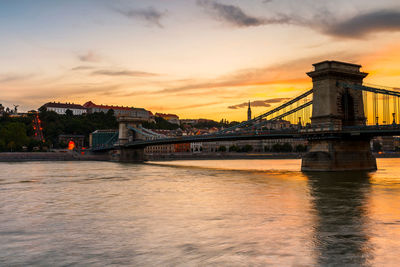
17 134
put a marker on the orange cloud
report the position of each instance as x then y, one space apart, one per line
383 66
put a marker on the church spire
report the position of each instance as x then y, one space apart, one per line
249 112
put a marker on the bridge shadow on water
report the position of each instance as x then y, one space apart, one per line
341 221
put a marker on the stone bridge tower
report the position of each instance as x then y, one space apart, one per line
126 135
336 106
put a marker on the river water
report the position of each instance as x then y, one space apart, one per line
197 213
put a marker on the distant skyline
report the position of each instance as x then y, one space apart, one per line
195 58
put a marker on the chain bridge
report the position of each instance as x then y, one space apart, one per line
338 117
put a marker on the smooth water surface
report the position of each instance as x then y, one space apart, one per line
197 213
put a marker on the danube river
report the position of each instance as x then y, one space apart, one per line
197 213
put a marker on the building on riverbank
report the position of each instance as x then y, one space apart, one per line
161 149
256 145
385 143
172 118
119 110
61 108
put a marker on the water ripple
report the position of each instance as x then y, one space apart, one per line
197 213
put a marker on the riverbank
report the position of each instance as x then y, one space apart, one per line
49 156
234 155
387 155
74 156
226 155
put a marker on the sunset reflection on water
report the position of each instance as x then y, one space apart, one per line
190 213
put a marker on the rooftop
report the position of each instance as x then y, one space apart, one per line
90 104
163 115
336 64
63 105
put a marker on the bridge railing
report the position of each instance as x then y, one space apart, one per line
381 105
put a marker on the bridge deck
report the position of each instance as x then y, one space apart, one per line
355 132
304 133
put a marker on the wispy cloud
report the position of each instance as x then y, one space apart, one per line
77 68
12 77
150 15
123 73
234 81
235 16
364 24
76 90
325 22
198 105
259 103
289 74
113 72
89 56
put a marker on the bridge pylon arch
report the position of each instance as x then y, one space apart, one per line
126 135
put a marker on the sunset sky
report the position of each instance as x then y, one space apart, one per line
195 58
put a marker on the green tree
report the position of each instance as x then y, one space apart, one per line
246 148
42 109
54 124
222 149
276 148
3 146
34 143
110 113
161 123
14 135
233 148
11 146
287 147
301 148
69 113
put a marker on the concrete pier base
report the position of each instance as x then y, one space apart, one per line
132 155
339 155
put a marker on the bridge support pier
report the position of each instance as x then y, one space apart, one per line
339 155
132 155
